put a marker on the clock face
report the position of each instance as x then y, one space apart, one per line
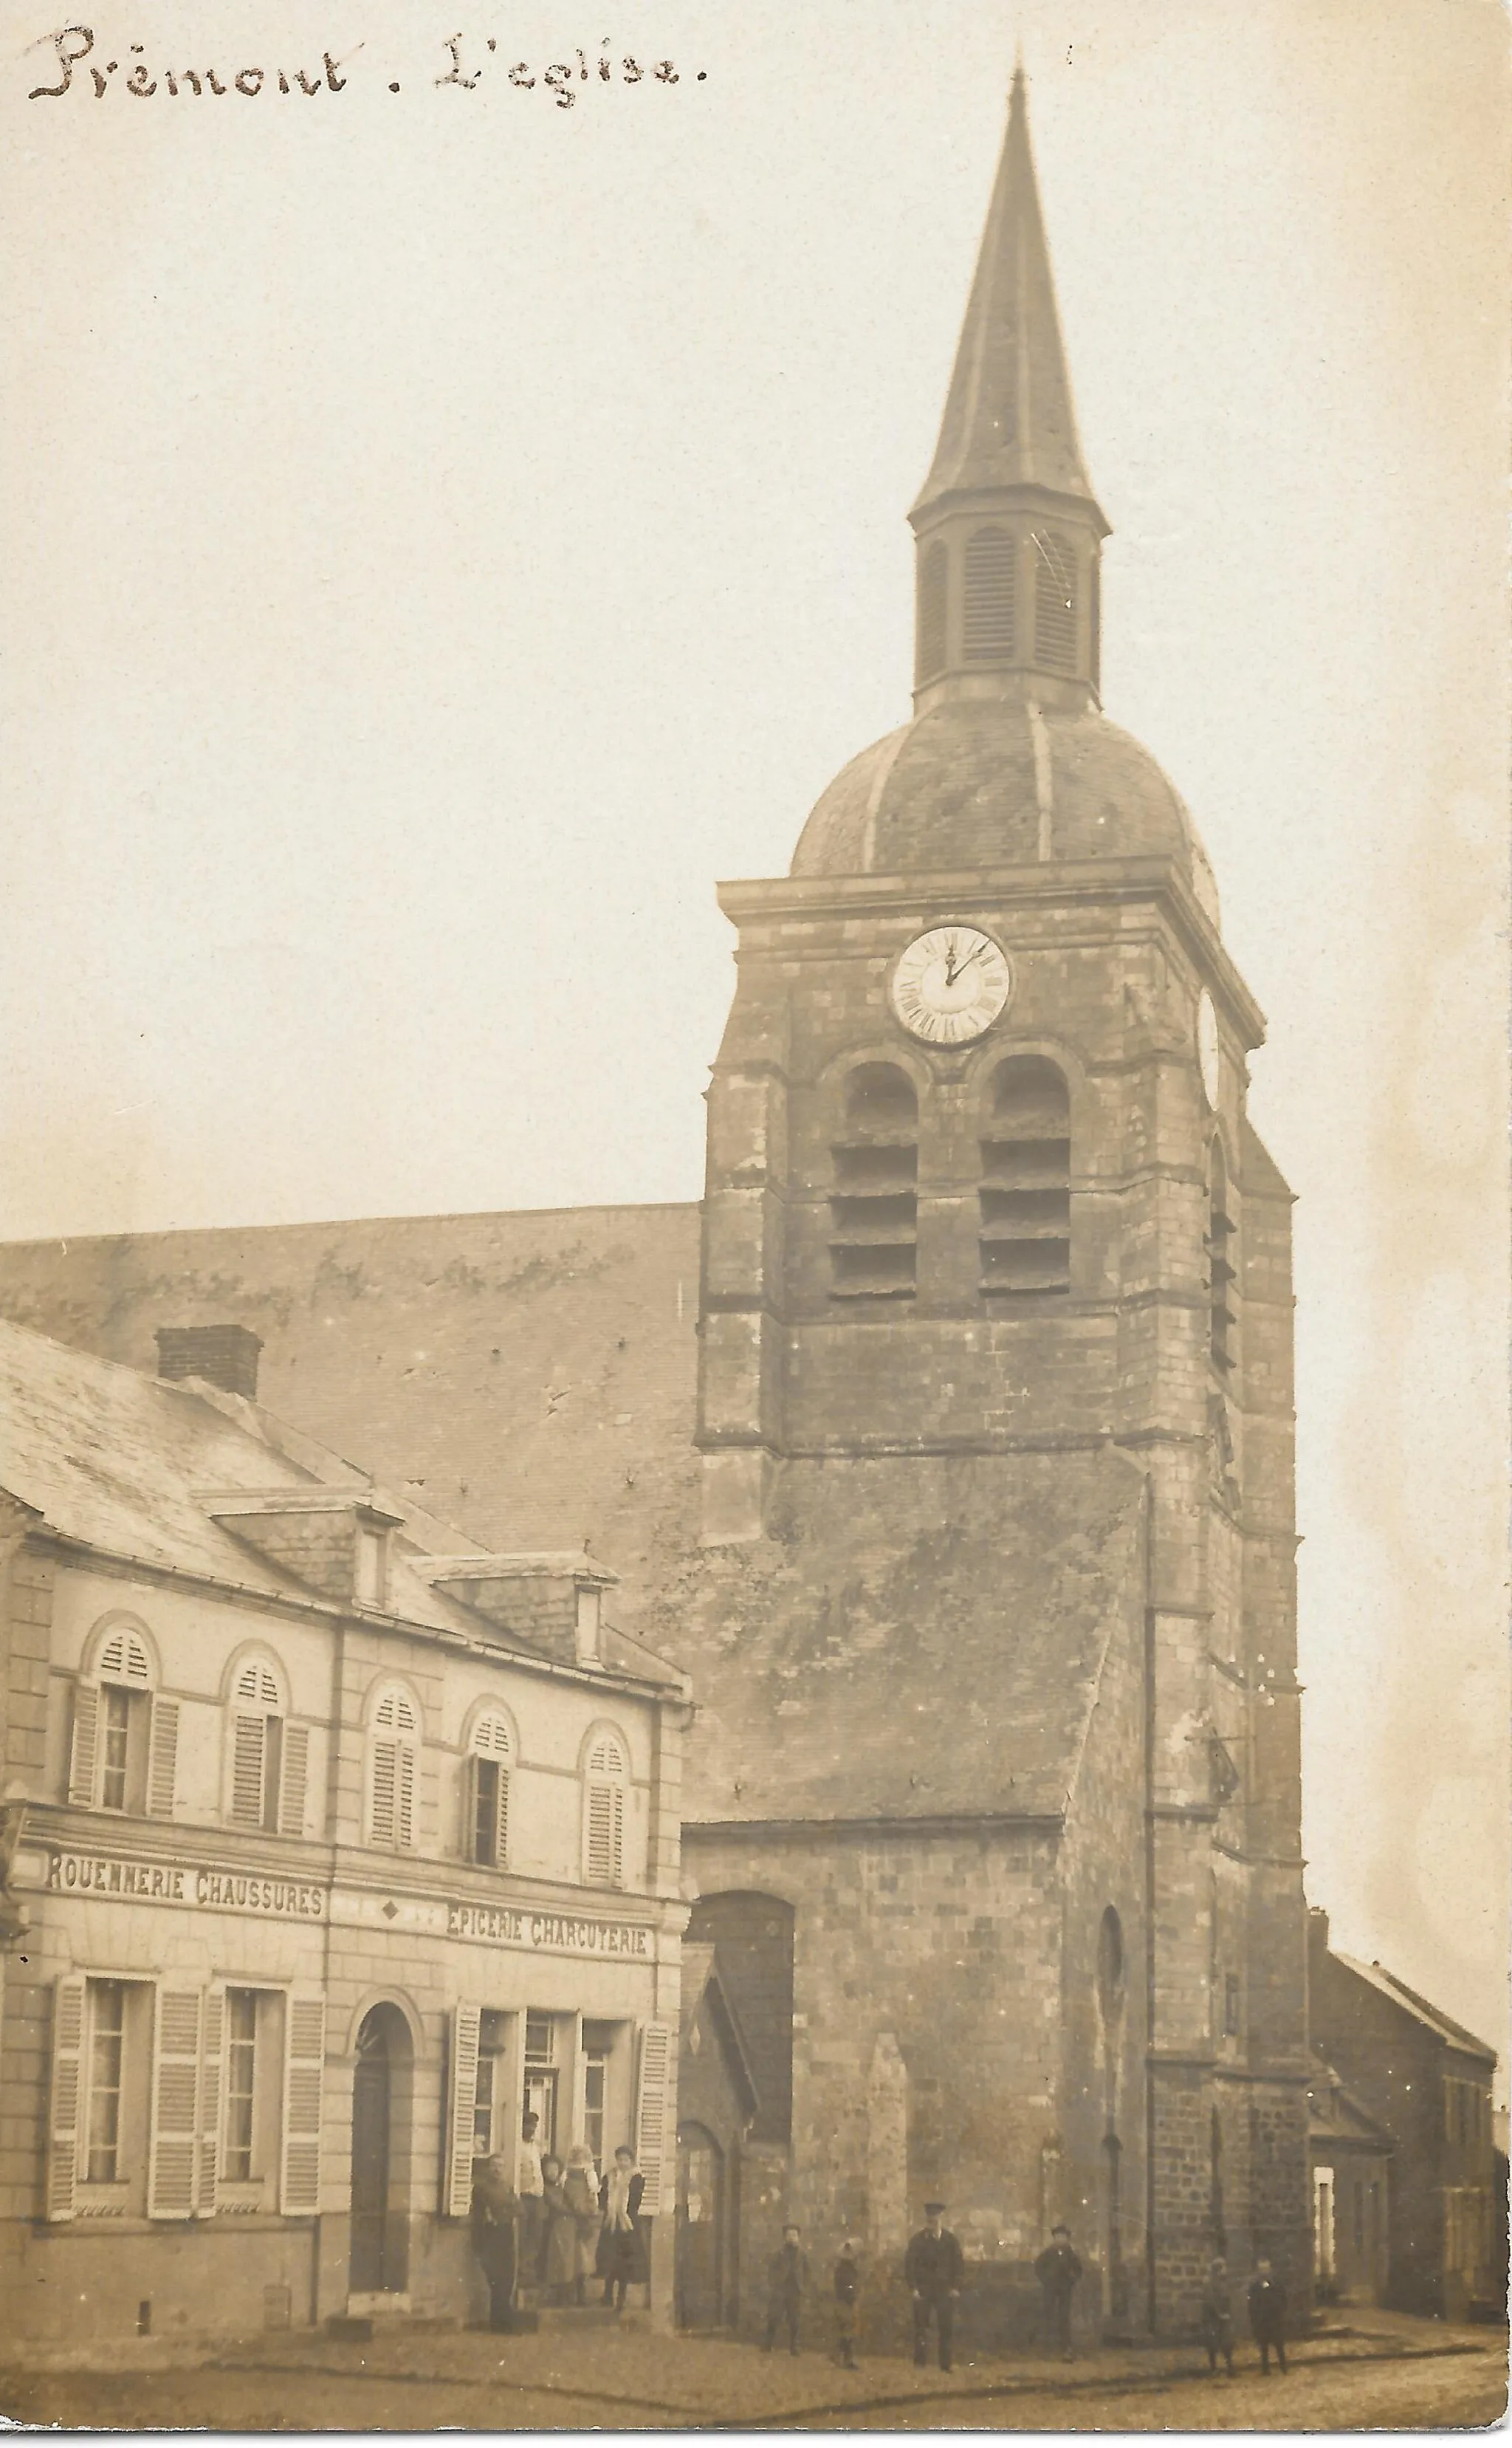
1207 1046
950 984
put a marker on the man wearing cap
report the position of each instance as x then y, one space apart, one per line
1057 2271
934 2266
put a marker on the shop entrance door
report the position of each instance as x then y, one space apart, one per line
371 2091
701 2237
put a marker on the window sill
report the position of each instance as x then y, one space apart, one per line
132 2223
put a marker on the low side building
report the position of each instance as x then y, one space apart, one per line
1349 2155
1427 2081
332 1843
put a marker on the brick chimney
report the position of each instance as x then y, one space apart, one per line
223 1355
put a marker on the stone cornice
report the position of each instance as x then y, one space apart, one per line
1064 883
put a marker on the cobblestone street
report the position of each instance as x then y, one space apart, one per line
1395 2374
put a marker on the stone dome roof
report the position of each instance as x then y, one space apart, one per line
966 786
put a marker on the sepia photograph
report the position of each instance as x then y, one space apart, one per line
754 1216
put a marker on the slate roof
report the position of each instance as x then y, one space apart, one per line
958 790
133 1467
1432 2017
1335 2117
701 1974
536 1375
1008 419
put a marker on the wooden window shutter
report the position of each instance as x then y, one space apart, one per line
462 2093
605 1815
248 1739
471 1778
303 2086
175 2104
651 2112
163 1756
404 1799
83 1753
212 2080
296 1777
66 2094
125 1659
385 1781
500 1841
991 579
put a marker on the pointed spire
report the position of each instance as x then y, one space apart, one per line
1009 419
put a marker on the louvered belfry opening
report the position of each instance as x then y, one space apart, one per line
931 633
874 1202
1218 1250
991 569
1055 600
1026 1191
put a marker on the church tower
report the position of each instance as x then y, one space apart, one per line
993 1633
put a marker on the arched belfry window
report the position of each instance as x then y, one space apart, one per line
933 590
1025 1192
874 1202
1219 1250
1055 601
991 560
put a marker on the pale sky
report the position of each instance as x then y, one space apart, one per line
447 532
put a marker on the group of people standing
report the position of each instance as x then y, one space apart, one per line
551 2225
934 2270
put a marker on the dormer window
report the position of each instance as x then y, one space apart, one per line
371 1574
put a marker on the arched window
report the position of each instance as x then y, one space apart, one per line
270 1758
991 561
929 626
604 1812
1025 1195
391 1775
1221 1274
123 1749
874 1202
485 1789
1055 606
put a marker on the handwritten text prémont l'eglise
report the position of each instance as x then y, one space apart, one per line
75 49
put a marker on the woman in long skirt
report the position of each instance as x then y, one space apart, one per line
622 2244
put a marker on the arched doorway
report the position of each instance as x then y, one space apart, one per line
703 2255
380 2106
